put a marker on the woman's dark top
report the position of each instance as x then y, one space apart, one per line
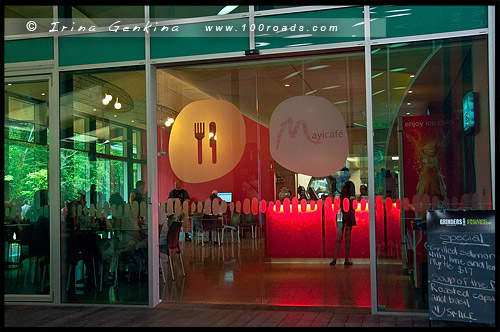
348 218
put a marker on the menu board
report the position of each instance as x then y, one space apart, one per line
461 271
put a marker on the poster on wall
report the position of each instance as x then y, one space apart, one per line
424 150
461 270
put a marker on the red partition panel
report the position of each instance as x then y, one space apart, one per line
294 235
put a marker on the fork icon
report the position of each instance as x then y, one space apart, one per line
199 133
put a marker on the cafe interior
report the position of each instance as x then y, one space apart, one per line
262 240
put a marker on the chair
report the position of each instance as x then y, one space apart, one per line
172 244
234 226
249 221
83 247
209 223
196 226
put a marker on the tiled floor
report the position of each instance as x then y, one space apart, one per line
238 274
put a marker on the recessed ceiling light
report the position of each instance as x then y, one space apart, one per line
291 75
318 67
43 93
297 45
287 84
115 115
408 104
227 10
399 69
133 121
299 36
95 110
9 84
408 113
412 75
410 91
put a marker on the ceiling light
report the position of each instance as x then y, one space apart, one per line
310 92
412 75
132 121
95 110
291 75
408 104
43 93
287 84
376 93
9 84
261 44
399 88
299 36
318 67
375 51
341 102
107 99
399 69
395 158
117 104
227 10
398 10
398 45
377 75
407 113
169 122
297 45
331 87
115 115
397 15
410 91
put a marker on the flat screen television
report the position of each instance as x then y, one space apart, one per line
227 196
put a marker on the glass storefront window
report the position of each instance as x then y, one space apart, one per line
426 156
26 196
329 90
104 233
400 21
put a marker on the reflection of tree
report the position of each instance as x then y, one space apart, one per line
25 165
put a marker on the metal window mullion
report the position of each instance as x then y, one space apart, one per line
371 168
491 90
251 32
152 167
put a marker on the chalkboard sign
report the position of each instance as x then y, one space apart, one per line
461 271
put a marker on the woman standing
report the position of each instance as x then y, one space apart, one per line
348 220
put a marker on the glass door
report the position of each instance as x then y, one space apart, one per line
26 196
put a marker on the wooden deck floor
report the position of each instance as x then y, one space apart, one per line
197 315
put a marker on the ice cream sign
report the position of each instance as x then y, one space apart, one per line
308 135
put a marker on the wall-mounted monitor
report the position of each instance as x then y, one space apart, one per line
227 196
470 113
